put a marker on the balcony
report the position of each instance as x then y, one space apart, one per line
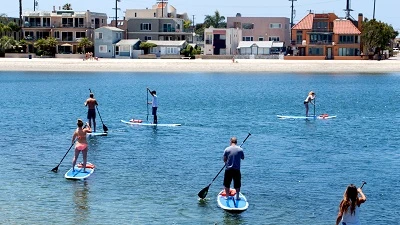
326 42
321 30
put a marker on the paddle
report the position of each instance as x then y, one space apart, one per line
314 106
55 169
104 126
363 184
203 193
147 105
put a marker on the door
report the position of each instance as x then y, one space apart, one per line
329 53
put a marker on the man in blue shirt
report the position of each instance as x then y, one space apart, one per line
232 157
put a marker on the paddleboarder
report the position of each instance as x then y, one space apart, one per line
91 103
232 157
81 144
349 208
309 99
154 104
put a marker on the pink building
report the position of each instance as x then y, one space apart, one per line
262 28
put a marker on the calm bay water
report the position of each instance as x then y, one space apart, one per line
295 171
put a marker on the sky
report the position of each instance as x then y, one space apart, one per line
385 10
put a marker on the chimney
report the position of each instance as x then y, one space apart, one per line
59 7
360 21
54 8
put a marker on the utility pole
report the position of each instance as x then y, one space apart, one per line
34 5
373 17
291 18
116 12
348 9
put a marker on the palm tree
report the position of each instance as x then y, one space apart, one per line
217 21
6 43
20 18
85 43
67 6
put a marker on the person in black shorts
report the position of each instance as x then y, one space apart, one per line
232 157
91 103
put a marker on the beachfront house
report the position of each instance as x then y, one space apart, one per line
167 49
128 48
260 47
326 36
68 27
221 41
105 41
275 29
161 22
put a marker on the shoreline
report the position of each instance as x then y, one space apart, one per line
201 65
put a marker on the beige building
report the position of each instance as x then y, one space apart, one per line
67 26
262 28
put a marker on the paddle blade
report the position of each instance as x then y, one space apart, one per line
203 193
55 169
105 128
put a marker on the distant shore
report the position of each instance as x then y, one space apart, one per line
201 65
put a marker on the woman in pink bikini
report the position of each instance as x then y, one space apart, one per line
81 144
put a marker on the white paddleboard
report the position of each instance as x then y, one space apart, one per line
152 124
323 116
97 134
231 204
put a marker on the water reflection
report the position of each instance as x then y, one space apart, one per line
82 210
232 219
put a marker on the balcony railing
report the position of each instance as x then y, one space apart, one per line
324 30
61 25
321 42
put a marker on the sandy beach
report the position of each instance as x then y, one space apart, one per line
202 65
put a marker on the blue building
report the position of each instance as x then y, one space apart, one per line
105 41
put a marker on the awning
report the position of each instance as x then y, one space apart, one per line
66 45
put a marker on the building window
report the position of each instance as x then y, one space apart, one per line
248 26
171 50
124 48
347 39
135 14
57 34
67 36
275 25
222 37
260 38
153 50
103 48
315 51
147 38
99 35
272 38
167 27
80 34
348 51
145 26
299 37
247 38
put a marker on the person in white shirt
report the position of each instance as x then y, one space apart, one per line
309 99
349 208
154 105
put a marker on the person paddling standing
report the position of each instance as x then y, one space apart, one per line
91 103
309 99
232 157
349 212
81 144
154 105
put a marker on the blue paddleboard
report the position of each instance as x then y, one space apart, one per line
78 174
231 204
152 124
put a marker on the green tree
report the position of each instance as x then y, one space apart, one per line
146 46
51 45
85 43
216 20
67 6
6 43
46 46
187 24
377 35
